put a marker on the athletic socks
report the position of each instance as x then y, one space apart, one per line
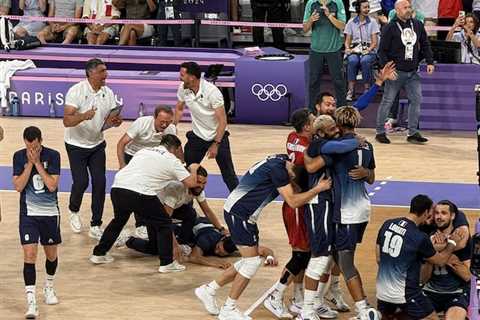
212 287
361 305
29 274
280 287
30 292
322 287
308 302
50 267
230 304
335 282
298 292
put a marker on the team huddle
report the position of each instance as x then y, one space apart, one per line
423 258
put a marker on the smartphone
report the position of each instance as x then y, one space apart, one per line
461 14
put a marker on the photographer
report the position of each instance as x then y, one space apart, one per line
361 39
468 36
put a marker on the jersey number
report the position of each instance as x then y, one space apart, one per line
38 183
393 244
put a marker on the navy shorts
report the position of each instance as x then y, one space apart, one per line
43 228
347 236
318 220
242 232
416 308
444 301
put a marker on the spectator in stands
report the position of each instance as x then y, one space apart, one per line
375 8
136 9
468 36
168 9
30 8
476 8
67 31
5 6
360 46
326 19
274 10
404 40
415 14
99 33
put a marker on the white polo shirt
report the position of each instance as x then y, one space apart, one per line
175 195
144 135
202 108
88 134
149 171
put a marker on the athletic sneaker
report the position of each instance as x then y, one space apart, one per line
141 232
232 314
75 222
50 296
208 300
417 138
274 304
367 314
326 312
172 267
101 259
382 138
95 232
313 316
32 310
295 307
122 238
335 297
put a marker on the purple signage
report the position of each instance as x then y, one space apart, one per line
209 6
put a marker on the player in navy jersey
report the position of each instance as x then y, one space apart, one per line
36 172
401 249
447 285
259 186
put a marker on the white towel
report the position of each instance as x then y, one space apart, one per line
7 70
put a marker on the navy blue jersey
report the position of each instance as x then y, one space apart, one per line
355 202
258 187
403 247
443 278
206 236
35 198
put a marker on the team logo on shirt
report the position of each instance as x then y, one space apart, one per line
269 91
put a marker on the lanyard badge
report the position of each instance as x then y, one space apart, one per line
409 38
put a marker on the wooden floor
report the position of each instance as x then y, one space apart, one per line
131 287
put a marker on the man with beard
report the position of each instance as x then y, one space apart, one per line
447 285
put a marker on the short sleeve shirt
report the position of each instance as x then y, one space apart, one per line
175 195
325 36
149 171
35 198
362 32
66 8
467 55
144 135
202 108
81 96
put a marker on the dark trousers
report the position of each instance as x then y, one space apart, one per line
196 148
162 29
82 162
334 61
151 209
139 221
274 13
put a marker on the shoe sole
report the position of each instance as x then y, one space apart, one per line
416 142
31 316
51 304
203 303
172 271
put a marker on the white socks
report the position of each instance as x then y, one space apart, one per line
308 302
298 292
212 287
230 304
30 291
49 281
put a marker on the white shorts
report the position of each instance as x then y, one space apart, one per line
112 31
148 31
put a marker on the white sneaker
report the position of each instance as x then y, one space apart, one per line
231 314
172 267
122 238
369 314
208 300
326 312
50 296
141 232
95 232
335 297
313 316
296 307
274 304
101 259
32 310
75 222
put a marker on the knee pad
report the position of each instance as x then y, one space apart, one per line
318 266
298 262
247 267
345 262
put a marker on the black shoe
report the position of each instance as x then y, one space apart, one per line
382 138
417 138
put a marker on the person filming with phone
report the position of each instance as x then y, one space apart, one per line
326 19
465 31
90 108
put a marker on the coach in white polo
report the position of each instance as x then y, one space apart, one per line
143 133
209 122
87 106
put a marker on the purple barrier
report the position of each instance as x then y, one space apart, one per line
41 90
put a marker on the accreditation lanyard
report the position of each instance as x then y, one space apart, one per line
409 38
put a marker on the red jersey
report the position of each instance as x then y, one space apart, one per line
296 145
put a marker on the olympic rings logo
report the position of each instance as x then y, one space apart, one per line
269 91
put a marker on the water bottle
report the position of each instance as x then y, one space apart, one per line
14 106
141 109
51 110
